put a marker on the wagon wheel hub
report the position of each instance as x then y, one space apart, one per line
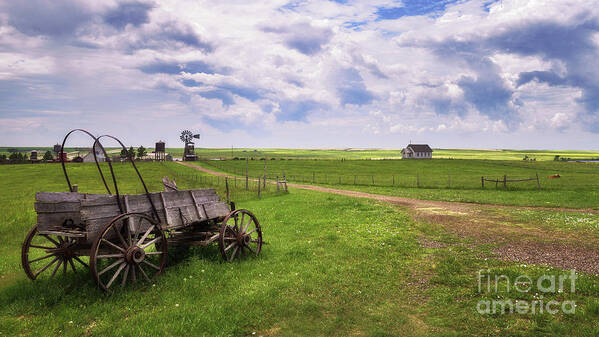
135 255
63 250
243 239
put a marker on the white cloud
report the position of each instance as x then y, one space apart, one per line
268 65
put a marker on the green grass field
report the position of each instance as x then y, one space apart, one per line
440 179
355 153
332 265
350 153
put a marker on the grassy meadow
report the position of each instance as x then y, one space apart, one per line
356 153
440 179
374 154
331 265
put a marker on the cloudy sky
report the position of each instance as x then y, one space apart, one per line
452 73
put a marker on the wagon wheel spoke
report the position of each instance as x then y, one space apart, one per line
64 265
55 269
111 266
41 258
45 267
133 275
113 245
106 256
245 228
72 265
118 271
158 239
80 261
231 246
137 231
41 247
120 236
233 254
50 239
124 280
151 264
143 238
250 249
143 273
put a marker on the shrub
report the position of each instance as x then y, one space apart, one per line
141 152
48 156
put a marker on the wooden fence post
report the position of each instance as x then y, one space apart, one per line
373 180
538 183
354 180
448 180
505 181
259 186
313 177
227 188
339 180
393 180
482 182
417 180
277 184
246 174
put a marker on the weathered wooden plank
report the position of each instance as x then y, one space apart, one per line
216 210
72 234
65 196
49 221
57 207
98 212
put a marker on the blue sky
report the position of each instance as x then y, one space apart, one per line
306 74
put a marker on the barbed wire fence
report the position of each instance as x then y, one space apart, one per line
415 180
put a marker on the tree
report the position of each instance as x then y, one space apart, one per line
141 152
2 157
131 153
124 153
47 156
556 158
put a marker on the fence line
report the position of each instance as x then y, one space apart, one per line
415 180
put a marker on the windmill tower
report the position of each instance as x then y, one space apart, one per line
189 150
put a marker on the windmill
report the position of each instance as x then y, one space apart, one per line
189 151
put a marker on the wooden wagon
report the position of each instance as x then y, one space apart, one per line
127 236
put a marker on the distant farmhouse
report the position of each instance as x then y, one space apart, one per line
417 151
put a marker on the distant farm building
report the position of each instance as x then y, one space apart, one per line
89 158
417 151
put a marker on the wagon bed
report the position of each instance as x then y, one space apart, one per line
84 215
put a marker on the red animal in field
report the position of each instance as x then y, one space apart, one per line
554 176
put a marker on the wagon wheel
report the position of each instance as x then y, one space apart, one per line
240 235
48 253
132 246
